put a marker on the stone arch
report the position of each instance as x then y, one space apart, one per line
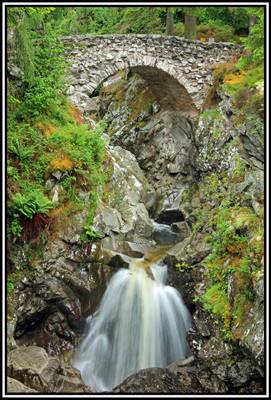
185 65
167 83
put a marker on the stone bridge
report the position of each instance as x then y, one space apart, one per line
179 71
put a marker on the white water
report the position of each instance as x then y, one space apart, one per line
140 323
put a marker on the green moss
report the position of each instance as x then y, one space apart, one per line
215 300
142 103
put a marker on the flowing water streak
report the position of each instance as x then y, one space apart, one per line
140 323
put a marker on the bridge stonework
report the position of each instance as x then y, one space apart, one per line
161 60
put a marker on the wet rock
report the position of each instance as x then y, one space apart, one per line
14 386
149 197
33 367
163 234
53 306
120 261
143 226
253 337
130 249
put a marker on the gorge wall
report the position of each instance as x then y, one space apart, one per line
171 169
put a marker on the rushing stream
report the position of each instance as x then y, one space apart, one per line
140 323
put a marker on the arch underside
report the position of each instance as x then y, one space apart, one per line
170 94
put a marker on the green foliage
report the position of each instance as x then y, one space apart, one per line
239 169
14 227
90 234
254 42
30 204
43 95
183 266
12 173
235 17
141 20
221 33
20 151
215 300
211 115
10 286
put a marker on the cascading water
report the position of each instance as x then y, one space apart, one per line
140 323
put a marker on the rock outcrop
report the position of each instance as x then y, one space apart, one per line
31 369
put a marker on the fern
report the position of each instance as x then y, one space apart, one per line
30 204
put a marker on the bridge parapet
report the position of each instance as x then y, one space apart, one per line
190 63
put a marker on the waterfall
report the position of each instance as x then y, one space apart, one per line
140 323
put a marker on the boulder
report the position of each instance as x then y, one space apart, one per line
192 250
153 380
69 381
131 249
163 234
182 228
107 220
14 386
33 367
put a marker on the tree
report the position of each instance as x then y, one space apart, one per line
190 23
170 22
255 41
252 22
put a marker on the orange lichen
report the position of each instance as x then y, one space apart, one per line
75 113
234 78
62 163
46 128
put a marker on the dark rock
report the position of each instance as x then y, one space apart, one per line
224 360
120 261
53 308
170 216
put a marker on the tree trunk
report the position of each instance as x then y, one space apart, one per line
252 21
190 23
170 23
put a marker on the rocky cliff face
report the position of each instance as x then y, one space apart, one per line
194 186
